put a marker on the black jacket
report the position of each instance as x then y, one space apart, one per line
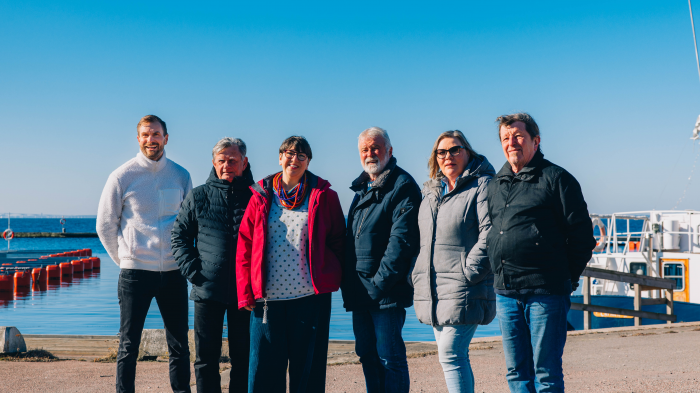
382 241
205 235
541 234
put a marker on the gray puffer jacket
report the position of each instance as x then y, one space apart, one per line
452 278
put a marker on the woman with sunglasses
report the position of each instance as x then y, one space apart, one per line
452 278
288 262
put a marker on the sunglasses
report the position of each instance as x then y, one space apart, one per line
454 151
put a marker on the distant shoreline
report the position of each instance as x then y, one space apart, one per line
20 235
13 215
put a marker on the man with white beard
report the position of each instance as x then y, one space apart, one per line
381 245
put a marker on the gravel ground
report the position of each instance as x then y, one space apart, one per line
650 360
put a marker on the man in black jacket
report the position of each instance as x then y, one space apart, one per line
204 242
540 241
381 244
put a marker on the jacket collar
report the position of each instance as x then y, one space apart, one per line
528 172
150 165
239 182
264 186
360 183
477 167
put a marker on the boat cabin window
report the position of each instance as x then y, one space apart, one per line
638 268
675 271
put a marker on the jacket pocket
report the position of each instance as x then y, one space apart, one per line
367 266
463 263
170 200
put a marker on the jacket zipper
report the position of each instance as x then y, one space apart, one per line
357 235
228 289
503 218
264 311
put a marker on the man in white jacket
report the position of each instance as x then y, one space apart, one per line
137 210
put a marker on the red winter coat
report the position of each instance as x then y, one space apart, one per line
326 236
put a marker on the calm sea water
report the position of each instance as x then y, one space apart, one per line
90 306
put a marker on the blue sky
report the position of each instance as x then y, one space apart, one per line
613 86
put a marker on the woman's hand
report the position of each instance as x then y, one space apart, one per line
249 308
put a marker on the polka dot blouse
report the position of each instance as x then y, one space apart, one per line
287 274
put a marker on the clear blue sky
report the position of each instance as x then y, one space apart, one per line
613 85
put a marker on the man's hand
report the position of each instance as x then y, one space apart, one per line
249 308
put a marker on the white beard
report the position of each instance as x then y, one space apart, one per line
375 168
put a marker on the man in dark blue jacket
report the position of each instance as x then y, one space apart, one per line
540 241
204 240
382 243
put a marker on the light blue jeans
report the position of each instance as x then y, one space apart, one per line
534 335
453 353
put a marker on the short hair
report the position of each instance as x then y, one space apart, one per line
376 131
433 167
297 143
148 119
530 124
227 142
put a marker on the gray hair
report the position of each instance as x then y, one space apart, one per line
374 132
228 142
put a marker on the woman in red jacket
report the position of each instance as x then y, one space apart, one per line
288 262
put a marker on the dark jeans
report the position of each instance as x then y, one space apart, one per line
136 290
295 337
534 335
208 329
381 349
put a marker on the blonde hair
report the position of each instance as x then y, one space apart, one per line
433 167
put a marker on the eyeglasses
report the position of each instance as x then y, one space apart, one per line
291 153
454 151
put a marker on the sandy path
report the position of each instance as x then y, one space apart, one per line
650 360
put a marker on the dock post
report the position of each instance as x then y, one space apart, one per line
637 303
669 303
586 291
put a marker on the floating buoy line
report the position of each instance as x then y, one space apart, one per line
20 274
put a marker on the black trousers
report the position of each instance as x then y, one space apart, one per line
136 290
294 340
208 330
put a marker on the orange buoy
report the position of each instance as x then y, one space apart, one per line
31 260
77 266
7 264
53 272
87 263
89 252
23 280
6 284
38 274
21 262
66 269
95 263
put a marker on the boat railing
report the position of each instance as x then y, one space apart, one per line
641 283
